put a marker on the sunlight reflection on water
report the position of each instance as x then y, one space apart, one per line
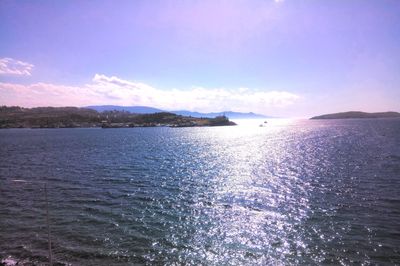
254 214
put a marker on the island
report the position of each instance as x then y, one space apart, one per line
358 114
73 117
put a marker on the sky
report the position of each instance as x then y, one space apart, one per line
287 58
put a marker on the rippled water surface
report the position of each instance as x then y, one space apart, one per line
292 192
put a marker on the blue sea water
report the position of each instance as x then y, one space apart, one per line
291 192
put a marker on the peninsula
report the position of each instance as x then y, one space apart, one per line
357 114
71 117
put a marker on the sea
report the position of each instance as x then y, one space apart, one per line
285 192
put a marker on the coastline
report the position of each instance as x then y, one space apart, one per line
73 117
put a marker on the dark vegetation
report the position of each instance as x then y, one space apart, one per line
357 114
65 117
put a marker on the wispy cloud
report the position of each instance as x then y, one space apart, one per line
10 66
113 90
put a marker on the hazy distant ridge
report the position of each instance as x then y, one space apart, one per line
151 110
131 109
357 114
229 114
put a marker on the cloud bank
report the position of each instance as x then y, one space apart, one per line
9 66
116 91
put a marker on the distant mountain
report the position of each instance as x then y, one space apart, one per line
229 114
131 109
357 114
151 110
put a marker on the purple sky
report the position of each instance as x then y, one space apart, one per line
282 58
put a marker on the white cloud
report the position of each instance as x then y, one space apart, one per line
9 66
113 90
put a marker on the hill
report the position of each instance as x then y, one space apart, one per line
357 114
66 117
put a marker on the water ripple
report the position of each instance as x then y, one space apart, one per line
294 192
